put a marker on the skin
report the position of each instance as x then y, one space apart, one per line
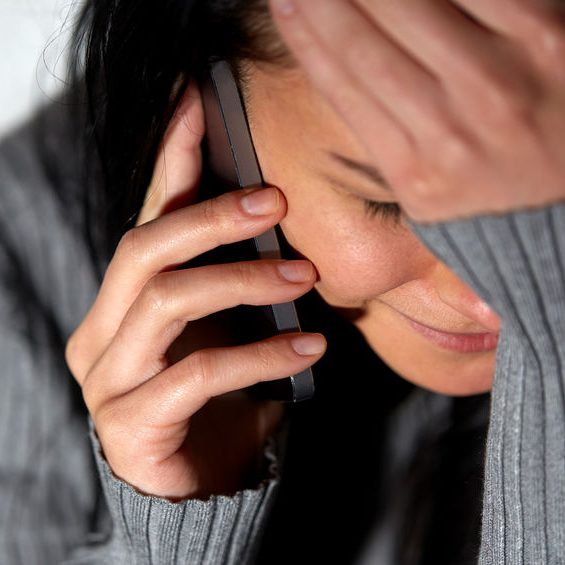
467 93
368 267
464 116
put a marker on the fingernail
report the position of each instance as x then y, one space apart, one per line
284 7
297 271
312 344
261 202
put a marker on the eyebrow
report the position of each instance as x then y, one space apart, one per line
368 171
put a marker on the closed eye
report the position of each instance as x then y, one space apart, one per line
384 210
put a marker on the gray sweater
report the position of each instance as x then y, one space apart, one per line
60 502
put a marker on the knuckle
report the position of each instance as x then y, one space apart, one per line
112 422
91 395
156 295
552 45
96 406
110 431
87 396
245 276
547 45
453 151
407 176
264 356
80 354
71 355
131 246
209 211
542 28
217 216
417 185
202 370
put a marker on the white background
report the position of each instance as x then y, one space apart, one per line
34 37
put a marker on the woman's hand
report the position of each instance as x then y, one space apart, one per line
460 105
164 410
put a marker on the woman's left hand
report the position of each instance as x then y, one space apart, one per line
460 104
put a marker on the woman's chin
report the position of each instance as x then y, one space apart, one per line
466 379
427 364
449 373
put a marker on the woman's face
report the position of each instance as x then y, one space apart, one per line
375 271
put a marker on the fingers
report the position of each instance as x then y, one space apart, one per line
476 66
178 166
183 235
532 21
148 434
162 245
337 81
537 26
437 34
385 70
435 71
171 300
353 42
178 392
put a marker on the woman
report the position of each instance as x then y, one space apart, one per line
374 127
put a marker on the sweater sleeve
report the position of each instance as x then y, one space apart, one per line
515 262
58 505
151 530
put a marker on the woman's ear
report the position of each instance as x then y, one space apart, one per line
178 167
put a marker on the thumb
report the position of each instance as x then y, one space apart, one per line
178 167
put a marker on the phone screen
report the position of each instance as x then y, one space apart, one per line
230 163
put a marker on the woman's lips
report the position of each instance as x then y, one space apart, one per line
463 343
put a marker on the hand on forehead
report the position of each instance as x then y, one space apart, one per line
468 95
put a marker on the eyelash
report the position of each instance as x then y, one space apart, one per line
386 210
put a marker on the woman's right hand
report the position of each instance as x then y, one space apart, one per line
167 424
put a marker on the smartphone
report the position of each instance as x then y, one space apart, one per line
230 163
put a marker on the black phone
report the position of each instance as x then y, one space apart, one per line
230 163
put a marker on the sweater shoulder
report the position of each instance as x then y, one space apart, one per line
45 253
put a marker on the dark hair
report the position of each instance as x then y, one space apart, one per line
132 62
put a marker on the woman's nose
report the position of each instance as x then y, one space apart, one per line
454 292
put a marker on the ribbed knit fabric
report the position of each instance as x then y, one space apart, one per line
49 491
151 530
515 262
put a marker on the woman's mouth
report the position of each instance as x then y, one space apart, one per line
460 342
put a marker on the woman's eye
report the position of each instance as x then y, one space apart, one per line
384 210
